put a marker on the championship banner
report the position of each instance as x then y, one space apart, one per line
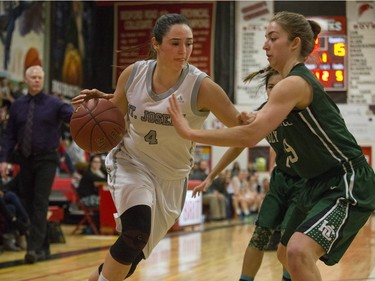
22 37
134 22
72 44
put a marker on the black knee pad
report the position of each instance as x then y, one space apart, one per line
136 228
100 268
134 264
132 268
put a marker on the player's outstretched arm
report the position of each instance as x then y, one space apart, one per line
234 136
279 105
228 157
118 97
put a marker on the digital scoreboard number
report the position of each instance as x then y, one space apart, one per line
328 61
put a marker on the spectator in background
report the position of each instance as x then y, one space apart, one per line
237 187
21 90
215 201
216 198
66 165
200 172
77 155
3 119
236 168
247 198
88 185
251 168
35 135
18 221
6 97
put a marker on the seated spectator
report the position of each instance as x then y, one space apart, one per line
76 153
243 197
253 194
88 185
66 165
79 159
200 172
16 218
251 168
236 168
6 97
215 197
21 90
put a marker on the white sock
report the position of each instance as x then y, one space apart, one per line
101 277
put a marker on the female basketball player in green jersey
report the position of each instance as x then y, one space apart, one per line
339 194
278 203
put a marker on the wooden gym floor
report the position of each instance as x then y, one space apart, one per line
212 251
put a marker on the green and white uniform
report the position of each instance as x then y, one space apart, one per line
281 199
339 195
151 165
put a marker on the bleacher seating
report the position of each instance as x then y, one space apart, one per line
64 186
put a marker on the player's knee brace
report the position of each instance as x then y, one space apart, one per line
134 264
261 237
132 267
136 228
100 268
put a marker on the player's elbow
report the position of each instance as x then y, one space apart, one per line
249 139
244 141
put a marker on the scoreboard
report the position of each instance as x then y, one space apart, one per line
328 60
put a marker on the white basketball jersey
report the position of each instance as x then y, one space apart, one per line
151 137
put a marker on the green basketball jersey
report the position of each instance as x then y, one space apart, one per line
275 139
316 139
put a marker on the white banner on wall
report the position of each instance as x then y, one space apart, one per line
361 31
192 211
251 21
360 121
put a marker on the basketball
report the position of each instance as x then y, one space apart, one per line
97 126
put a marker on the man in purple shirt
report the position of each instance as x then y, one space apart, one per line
36 148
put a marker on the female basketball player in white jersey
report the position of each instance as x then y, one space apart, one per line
339 194
147 172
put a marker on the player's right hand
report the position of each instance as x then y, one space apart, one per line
87 94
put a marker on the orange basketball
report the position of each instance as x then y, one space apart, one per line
97 126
